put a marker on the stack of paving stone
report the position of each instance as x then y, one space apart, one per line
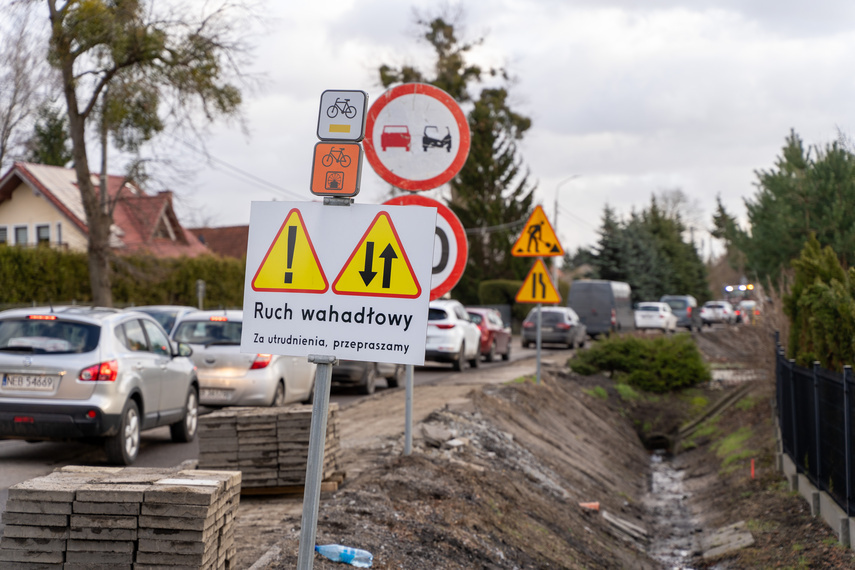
270 446
102 517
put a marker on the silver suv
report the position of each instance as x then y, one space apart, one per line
84 372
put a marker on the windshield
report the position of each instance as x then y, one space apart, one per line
207 332
48 336
476 318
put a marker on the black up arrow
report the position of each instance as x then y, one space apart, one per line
388 255
368 273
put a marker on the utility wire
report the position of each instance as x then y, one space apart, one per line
241 172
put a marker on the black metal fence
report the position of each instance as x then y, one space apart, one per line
815 413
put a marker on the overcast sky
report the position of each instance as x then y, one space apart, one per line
631 97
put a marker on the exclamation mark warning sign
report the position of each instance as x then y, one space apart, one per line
291 264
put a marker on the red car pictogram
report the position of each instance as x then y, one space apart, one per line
395 136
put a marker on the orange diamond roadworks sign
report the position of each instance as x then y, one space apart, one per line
537 239
537 286
336 169
291 264
379 266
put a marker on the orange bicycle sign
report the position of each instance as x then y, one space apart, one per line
336 169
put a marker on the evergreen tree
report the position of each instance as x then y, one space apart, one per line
49 142
492 189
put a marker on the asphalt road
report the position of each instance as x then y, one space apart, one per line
20 460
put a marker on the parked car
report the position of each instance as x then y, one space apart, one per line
495 336
228 377
685 307
603 306
717 312
365 374
747 312
451 335
96 374
395 136
557 325
166 315
654 315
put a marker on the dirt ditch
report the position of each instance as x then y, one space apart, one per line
498 480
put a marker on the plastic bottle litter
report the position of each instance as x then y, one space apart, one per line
353 556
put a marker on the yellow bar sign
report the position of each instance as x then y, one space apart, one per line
339 128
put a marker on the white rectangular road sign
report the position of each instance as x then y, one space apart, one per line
342 116
346 281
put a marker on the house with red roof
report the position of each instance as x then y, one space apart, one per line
226 241
41 204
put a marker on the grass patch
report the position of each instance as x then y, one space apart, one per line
659 364
626 392
745 403
597 392
698 404
732 443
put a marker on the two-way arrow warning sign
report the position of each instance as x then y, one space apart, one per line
538 287
378 266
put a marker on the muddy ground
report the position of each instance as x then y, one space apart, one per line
498 481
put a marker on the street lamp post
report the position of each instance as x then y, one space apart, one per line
555 223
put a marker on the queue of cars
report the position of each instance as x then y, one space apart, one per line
103 374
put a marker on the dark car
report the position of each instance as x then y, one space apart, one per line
495 336
559 325
431 138
686 309
364 375
604 307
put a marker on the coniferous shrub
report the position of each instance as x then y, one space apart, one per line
659 364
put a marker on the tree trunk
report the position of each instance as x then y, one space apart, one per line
97 220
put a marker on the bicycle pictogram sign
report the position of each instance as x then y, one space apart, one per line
343 106
336 169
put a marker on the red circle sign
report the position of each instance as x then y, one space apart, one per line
450 238
416 137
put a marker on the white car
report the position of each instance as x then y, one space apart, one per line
228 377
451 335
655 315
717 312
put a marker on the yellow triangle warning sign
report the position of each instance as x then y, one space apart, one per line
538 287
379 266
537 239
291 264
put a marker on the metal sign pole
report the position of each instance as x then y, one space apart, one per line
537 380
315 461
408 413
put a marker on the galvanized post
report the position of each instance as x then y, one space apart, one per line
816 423
537 376
847 435
408 412
315 460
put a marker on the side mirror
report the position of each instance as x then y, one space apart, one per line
184 349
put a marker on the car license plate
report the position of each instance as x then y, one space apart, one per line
213 394
32 382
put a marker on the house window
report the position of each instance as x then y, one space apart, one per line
21 237
4 235
59 233
43 234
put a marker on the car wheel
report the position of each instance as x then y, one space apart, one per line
398 378
122 448
369 380
475 362
507 354
458 361
491 356
581 343
279 395
185 430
